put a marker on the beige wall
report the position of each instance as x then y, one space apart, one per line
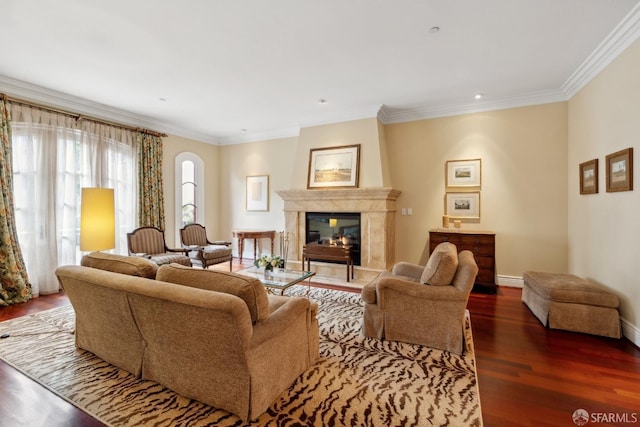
523 199
604 117
523 196
275 158
174 145
363 132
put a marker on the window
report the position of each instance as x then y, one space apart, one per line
189 196
53 158
189 189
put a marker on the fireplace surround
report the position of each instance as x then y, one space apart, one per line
377 208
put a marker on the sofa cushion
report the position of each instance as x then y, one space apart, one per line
130 265
215 251
250 290
441 266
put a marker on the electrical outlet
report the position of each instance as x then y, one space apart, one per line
403 211
409 211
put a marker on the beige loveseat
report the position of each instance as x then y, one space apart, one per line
212 336
422 304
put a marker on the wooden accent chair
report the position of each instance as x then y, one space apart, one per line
149 242
202 251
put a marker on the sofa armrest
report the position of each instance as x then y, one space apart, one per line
183 250
407 269
281 319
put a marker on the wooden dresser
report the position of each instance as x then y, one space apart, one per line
483 246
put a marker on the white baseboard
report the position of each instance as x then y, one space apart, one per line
630 332
510 281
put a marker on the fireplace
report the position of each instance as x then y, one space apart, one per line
335 228
377 208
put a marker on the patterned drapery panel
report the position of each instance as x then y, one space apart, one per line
150 189
14 282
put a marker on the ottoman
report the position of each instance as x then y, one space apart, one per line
568 302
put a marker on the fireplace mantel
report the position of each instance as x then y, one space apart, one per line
377 207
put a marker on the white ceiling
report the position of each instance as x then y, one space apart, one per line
231 71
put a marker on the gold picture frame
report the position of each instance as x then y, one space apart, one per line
464 173
334 167
462 205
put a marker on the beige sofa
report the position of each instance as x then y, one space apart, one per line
422 304
212 336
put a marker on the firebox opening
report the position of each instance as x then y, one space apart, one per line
335 228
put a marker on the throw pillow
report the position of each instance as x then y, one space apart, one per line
130 265
441 266
250 290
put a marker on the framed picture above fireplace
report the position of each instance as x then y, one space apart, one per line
334 167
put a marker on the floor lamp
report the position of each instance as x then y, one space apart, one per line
97 219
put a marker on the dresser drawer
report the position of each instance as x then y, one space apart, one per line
485 262
478 240
478 250
436 238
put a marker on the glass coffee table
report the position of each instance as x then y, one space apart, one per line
280 280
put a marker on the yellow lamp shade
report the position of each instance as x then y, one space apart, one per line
97 220
333 222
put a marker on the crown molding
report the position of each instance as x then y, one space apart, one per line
260 136
59 100
622 36
345 115
401 115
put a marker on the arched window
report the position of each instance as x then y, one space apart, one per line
189 190
189 195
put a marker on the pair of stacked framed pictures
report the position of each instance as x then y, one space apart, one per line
619 170
463 183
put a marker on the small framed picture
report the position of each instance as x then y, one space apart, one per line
258 193
463 205
334 167
464 173
620 170
589 177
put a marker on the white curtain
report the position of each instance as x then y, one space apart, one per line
54 157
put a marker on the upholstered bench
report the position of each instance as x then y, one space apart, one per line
568 302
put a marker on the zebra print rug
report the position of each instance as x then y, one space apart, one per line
356 382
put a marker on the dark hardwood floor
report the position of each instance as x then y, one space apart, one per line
528 375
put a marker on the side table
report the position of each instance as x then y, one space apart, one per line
255 235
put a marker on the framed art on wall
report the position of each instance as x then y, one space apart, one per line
464 173
334 167
463 205
589 177
258 193
619 167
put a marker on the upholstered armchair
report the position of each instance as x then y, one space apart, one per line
202 251
149 243
422 304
